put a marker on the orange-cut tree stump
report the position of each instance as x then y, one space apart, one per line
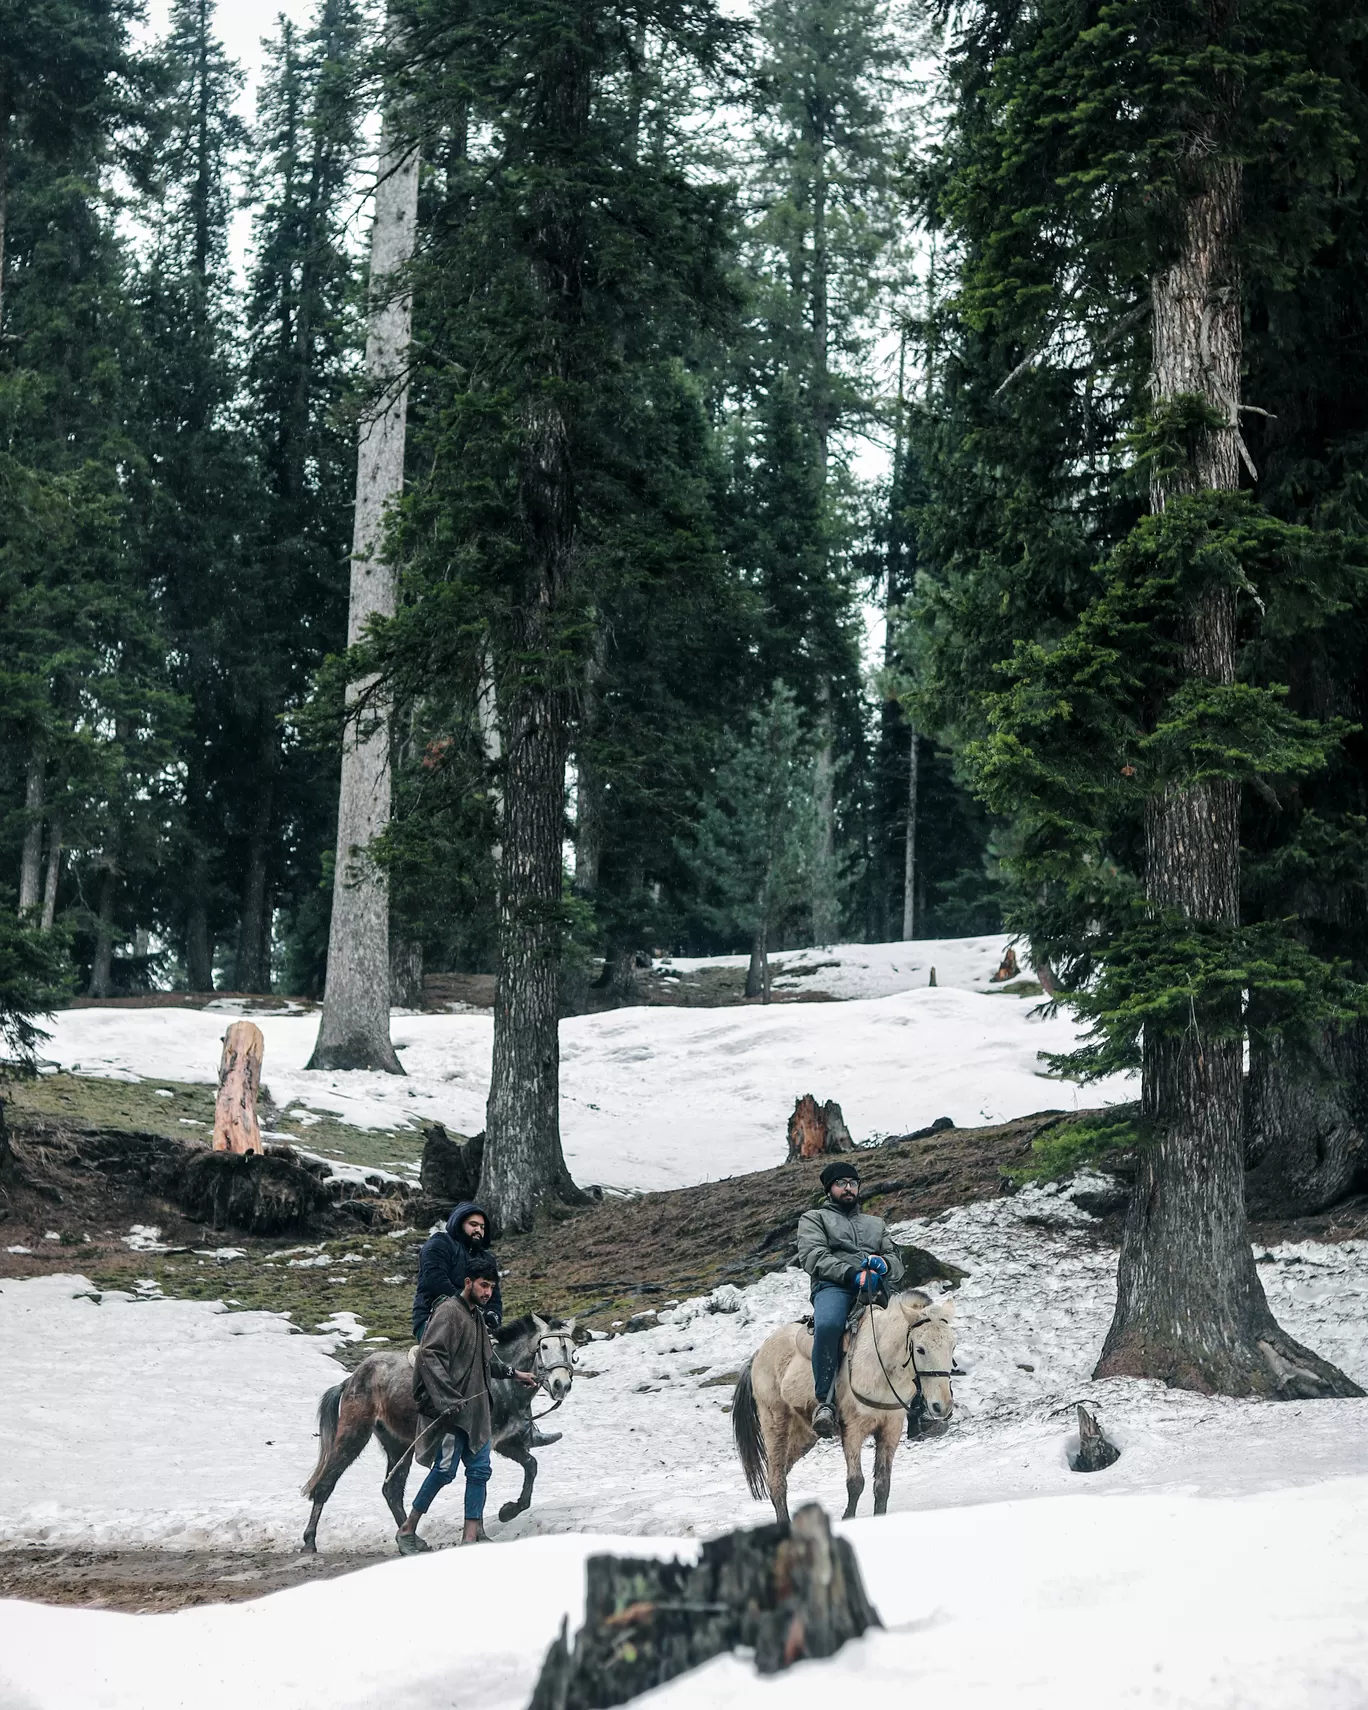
235 1119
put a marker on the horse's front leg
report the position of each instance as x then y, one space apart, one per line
398 1460
515 1449
885 1447
852 1441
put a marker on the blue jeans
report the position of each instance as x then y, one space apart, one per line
830 1309
455 1451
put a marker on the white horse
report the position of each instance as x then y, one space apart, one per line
897 1356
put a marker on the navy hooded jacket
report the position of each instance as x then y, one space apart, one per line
442 1268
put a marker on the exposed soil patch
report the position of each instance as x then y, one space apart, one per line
146 1582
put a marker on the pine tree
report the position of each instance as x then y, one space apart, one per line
566 268
302 330
753 843
1097 187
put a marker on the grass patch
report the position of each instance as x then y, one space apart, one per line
88 1101
1078 1143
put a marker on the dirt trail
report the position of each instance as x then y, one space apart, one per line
146 1582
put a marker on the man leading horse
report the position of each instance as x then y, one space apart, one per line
851 1258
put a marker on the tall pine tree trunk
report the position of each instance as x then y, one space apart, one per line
909 908
252 972
102 962
354 1032
1306 1125
523 1163
1190 1308
52 876
31 857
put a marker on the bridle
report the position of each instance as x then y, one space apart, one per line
543 1368
916 1399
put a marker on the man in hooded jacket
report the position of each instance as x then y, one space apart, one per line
442 1265
850 1256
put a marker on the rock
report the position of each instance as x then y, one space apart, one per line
450 1170
921 1266
646 1320
814 1129
1102 1201
786 1592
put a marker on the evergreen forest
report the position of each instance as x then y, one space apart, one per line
664 478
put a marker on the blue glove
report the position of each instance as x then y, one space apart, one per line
875 1263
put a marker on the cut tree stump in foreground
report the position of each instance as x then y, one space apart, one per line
815 1129
788 1592
236 1128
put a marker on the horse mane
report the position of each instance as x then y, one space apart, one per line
515 1329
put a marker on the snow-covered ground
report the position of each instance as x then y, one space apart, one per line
1222 1561
894 1061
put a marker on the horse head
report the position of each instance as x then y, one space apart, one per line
931 1349
555 1358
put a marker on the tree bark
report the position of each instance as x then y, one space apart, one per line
252 972
53 874
523 1162
236 1128
199 955
757 974
909 910
406 973
31 859
102 963
1306 1126
1190 1309
826 914
354 1031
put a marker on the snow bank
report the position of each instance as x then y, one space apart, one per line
1172 1601
894 1061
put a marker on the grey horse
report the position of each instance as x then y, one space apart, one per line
377 1400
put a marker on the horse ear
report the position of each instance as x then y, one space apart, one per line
542 1325
569 1329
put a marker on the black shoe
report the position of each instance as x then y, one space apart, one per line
824 1419
410 1544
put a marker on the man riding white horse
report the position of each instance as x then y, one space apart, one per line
850 1257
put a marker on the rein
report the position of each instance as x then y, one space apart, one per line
918 1373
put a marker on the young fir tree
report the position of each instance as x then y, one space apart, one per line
1096 183
819 239
752 844
566 270
302 331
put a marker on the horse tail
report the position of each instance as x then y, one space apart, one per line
750 1445
327 1430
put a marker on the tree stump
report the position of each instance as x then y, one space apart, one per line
235 1119
1095 1449
814 1129
450 1170
1007 968
787 1592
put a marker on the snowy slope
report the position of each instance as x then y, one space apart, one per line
894 1062
1222 1561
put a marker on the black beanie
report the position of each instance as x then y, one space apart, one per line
840 1170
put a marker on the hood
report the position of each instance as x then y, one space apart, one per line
458 1216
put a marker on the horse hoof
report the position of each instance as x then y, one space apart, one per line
308 1548
509 1511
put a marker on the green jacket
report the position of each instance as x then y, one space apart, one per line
832 1242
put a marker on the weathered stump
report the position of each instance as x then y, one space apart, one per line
450 1170
236 1128
787 1592
1095 1449
814 1129
1007 968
